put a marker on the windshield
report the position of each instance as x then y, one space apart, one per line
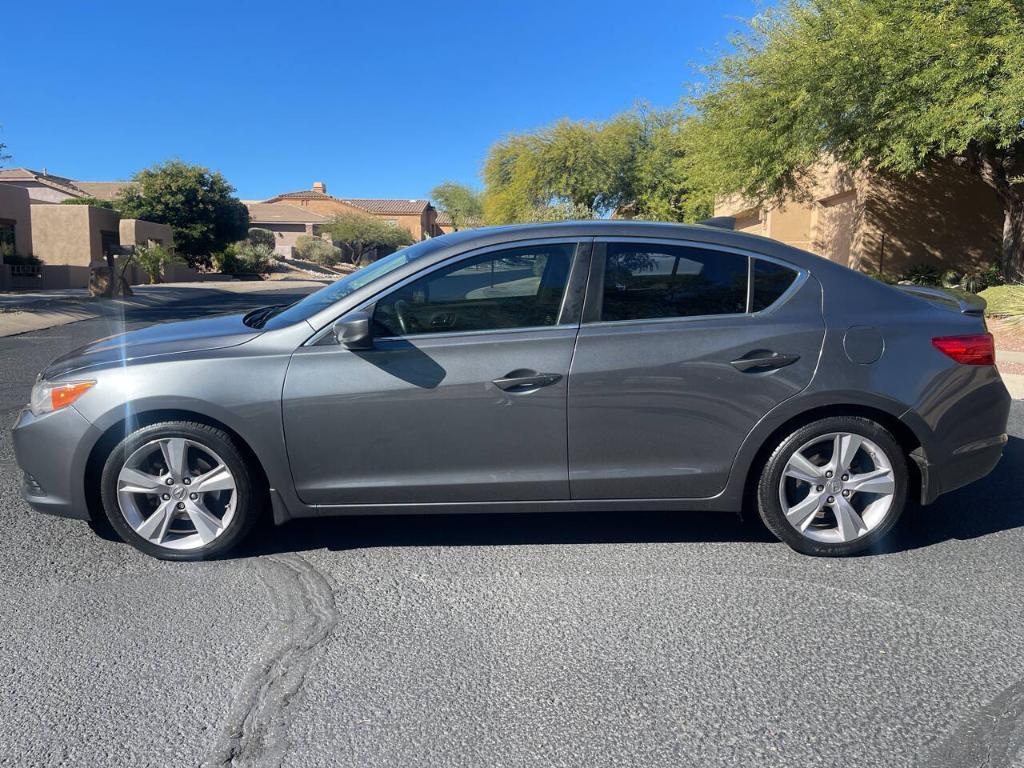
325 297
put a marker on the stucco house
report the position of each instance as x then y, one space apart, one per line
68 239
946 218
417 217
287 222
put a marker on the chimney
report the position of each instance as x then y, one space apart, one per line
319 186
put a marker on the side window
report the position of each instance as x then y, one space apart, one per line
646 281
770 282
511 288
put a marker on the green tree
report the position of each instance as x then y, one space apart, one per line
362 234
886 85
463 204
630 164
198 204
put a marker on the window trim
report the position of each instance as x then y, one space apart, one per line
595 284
569 311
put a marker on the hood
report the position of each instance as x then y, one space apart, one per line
167 338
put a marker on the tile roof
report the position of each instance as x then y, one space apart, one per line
102 190
302 194
282 213
390 206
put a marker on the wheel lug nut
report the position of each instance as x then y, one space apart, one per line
193 496
166 496
846 493
845 478
831 499
169 481
181 505
829 473
821 488
187 481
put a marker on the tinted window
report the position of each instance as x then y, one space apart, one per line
644 281
513 288
770 282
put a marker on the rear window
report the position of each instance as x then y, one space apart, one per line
649 281
771 280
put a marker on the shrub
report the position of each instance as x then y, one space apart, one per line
227 260
254 258
318 251
93 201
259 236
882 278
951 278
151 258
922 274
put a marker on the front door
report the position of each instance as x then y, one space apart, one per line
462 398
682 350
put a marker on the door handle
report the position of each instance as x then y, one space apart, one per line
525 381
763 360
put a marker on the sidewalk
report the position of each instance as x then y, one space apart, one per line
24 312
1007 359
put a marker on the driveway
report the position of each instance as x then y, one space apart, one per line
575 640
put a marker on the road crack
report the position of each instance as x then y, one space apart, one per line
255 731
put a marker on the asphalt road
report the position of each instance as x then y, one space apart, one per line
575 640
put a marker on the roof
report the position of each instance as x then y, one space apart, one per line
55 182
102 190
389 206
282 213
302 194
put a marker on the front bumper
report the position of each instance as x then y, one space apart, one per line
52 451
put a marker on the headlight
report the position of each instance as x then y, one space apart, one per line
53 395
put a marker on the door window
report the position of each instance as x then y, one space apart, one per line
511 288
647 281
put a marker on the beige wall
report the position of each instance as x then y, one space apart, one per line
139 232
38 192
15 206
71 234
946 218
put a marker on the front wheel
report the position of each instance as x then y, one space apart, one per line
179 491
834 487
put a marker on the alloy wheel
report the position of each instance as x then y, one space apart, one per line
176 493
837 487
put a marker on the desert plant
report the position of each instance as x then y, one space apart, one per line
152 257
254 258
318 251
260 236
921 274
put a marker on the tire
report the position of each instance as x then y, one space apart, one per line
869 476
179 491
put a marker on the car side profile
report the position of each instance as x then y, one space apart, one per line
599 365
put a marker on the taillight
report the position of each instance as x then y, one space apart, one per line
976 349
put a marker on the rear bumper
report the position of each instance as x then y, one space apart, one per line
967 464
52 450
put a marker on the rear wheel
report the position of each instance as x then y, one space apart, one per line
834 487
179 491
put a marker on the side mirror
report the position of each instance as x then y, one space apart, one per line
353 331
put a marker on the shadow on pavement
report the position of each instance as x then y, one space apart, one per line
985 507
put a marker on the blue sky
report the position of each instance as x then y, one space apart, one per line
380 99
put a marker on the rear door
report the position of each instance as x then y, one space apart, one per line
683 348
463 396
